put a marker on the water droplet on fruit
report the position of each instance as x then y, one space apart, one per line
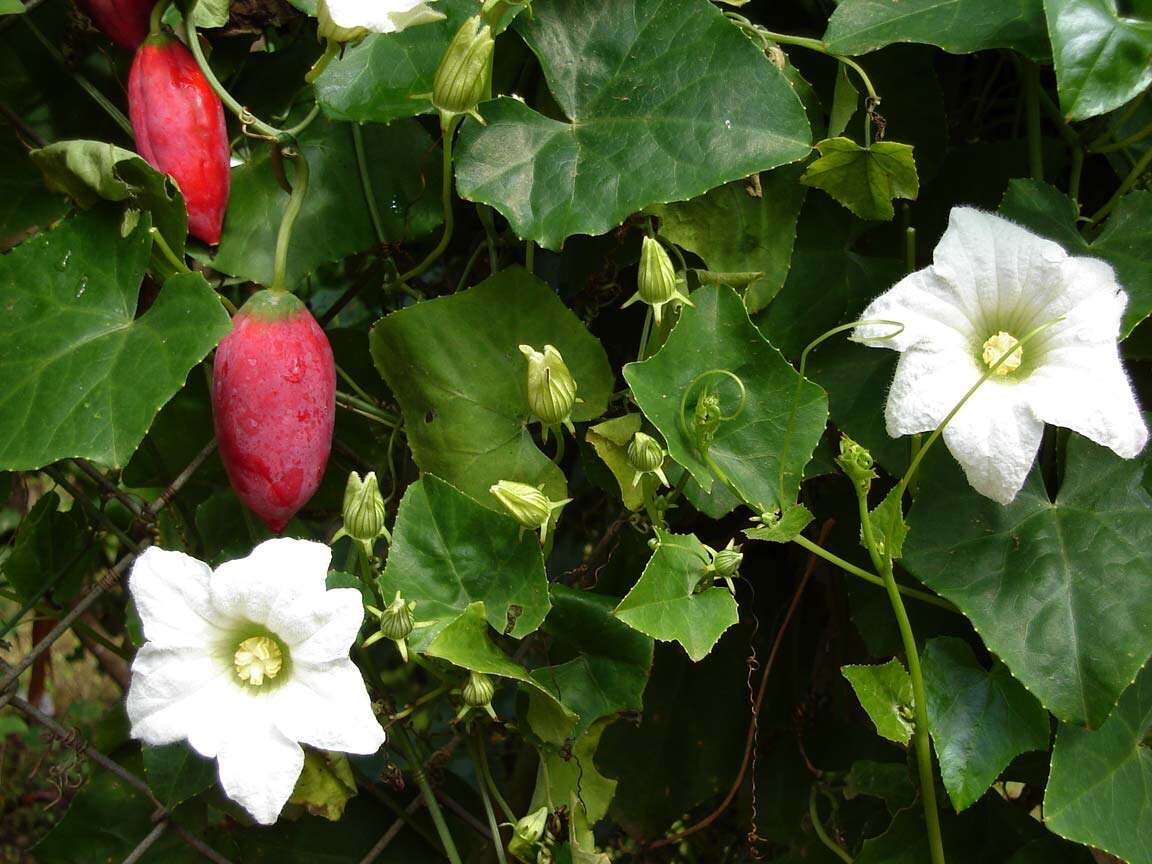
295 371
303 415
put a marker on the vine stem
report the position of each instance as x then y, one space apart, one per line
448 130
818 827
645 332
921 740
1138 169
366 182
486 799
429 796
372 412
288 220
486 774
848 567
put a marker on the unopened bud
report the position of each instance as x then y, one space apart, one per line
856 462
479 690
646 456
656 280
464 76
364 510
528 505
551 387
727 562
398 619
527 834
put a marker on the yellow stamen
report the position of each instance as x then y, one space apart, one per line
999 345
258 658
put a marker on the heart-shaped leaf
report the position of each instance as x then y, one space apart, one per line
864 179
885 692
646 120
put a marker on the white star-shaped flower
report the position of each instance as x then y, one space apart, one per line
990 284
247 662
382 16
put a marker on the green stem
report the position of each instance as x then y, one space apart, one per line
530 256
821 834
167 252
288 220
360 391
366 182
449 129
1031 74
486 222
417 770
155 25
1123 143
87 86
472 259
490 781
1133 176
486 798
331 49
361 406
921 740
293 131
246 117
645 332
849 567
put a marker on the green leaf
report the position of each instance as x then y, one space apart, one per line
50 547
887 521
94 171
454 366
25 201
609 664
1040 579
83 376
325 786
1102 58
610 441
466 643
647 122
1123 243
449 551
783 529
175 772
864 179
665 603
334 221
980 720
885 692
845 101
1100 788
573 776
389 76
888 781
741 227
957 26
11 7
713 335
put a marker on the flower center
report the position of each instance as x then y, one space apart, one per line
999 345
258 658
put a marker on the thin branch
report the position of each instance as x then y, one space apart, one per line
393 830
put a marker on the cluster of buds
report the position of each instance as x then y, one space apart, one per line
723 566
551 389
656 282
646 456
528 505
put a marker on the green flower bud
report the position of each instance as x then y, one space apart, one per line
464 76
364 510
528 505
398 619
646 456
527 834
656 281
479 690
331 31
856 462
727 562
551 387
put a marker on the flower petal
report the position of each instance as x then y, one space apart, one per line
382 16
259 767
927 307
320 629
327 706
995 437
1083 387
171 594
928 384
276 573
179 694
1007 277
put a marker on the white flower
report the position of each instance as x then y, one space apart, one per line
991 283
382 16
247 663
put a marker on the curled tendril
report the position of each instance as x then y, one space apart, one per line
823 337
708 413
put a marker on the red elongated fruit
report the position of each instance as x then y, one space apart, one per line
179 126
125 22
273 404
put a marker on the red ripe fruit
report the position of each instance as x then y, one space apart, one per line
179 126
274 404
125 22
